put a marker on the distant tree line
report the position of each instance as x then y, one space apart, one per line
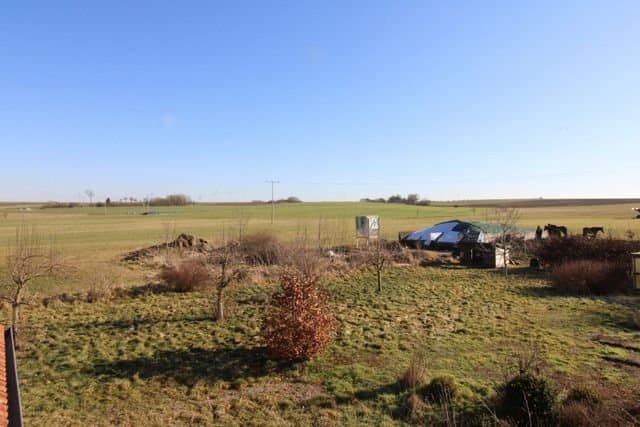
411 199
169 200
290 199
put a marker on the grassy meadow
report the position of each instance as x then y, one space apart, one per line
159 358
92 234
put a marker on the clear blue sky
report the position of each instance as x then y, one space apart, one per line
337 100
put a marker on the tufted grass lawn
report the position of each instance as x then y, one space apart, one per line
160 358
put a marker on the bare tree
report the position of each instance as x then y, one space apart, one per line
507 220
229 270
413 198
378 258
89 193
27 260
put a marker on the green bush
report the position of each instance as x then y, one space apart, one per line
527 399
440 389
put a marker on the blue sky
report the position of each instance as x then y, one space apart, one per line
337 100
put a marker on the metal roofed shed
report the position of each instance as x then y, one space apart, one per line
448 235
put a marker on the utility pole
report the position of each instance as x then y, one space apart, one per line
273 202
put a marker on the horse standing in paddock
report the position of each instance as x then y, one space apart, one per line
556 230
538 233
591 232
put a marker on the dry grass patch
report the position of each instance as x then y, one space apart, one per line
262 248
590 277
416 374
187 276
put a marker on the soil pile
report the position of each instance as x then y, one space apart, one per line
183 241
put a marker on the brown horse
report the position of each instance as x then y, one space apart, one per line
591 232
556 230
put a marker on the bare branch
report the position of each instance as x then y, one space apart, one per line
28 260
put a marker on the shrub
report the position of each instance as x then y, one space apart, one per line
411 408
575 414
298 326
186 276
583 276
440 389
416 373
261 248
554 252
527 399
103 284
584 407
308 261
584 395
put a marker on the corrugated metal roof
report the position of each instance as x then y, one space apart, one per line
453 231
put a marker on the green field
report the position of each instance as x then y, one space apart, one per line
159 358
99 234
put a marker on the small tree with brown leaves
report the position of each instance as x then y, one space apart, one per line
28 259
229 270
299 324
378 258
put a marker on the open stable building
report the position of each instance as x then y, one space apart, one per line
473 241
449 234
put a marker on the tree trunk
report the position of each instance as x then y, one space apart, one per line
15 313
220 312
379 281
504 254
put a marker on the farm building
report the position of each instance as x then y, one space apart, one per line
448 235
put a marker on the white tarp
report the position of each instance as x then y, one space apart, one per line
442 233
451 232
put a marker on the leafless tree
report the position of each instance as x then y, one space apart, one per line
229 269
28 259
378 258
89 193
507 220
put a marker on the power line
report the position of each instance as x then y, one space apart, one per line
273 202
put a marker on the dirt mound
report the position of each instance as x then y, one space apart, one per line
183 241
